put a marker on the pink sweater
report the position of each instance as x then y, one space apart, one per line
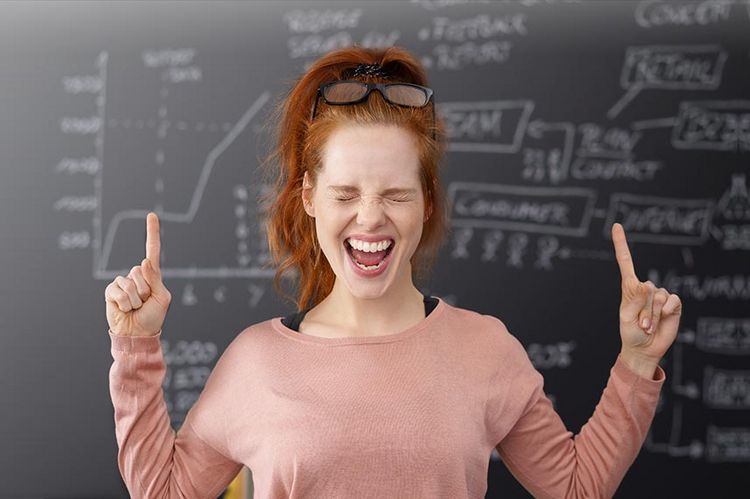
412 414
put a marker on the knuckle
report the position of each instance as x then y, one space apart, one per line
132 286
123 303
128 285
678 302
641 288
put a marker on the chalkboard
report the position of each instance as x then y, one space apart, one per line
563 118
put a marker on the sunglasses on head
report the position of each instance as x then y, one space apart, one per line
345 92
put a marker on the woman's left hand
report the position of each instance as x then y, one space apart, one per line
649 317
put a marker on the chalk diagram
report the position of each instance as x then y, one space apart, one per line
211 233
491 215
553 153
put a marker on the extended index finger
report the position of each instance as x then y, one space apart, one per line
153 244
622 252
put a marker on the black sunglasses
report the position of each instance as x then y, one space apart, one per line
345 92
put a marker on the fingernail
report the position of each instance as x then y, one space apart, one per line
645 323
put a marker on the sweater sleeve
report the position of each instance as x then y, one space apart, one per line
154 460
543 455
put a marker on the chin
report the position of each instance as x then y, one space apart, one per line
367 289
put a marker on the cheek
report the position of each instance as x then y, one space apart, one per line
329 227
411 227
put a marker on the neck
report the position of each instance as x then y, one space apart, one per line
393 311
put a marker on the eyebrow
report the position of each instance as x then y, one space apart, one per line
351 188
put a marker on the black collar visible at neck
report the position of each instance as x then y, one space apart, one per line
293 320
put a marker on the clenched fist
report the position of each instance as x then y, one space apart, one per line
137 304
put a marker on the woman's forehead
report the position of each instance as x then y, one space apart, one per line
370 156
368 145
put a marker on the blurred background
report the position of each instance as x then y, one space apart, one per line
564 117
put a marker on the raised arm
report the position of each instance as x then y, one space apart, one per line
546 458
154 461
540 452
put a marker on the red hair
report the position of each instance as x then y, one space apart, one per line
298 147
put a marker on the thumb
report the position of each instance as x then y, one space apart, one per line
635 295
638 303
646 313
152 276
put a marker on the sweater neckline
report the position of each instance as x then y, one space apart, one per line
358 340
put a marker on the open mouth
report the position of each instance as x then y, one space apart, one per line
368 261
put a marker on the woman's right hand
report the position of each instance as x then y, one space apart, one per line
137 304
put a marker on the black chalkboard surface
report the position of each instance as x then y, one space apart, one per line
564 117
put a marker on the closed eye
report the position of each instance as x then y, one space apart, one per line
396 200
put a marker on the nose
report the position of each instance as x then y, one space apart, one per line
371 212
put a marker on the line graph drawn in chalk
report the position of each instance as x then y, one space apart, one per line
103 240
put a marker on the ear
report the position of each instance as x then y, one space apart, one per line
307 195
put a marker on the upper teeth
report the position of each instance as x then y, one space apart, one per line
370 247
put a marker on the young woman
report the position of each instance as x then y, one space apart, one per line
370 389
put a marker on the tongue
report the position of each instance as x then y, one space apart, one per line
367 258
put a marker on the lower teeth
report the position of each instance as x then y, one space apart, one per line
369 267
